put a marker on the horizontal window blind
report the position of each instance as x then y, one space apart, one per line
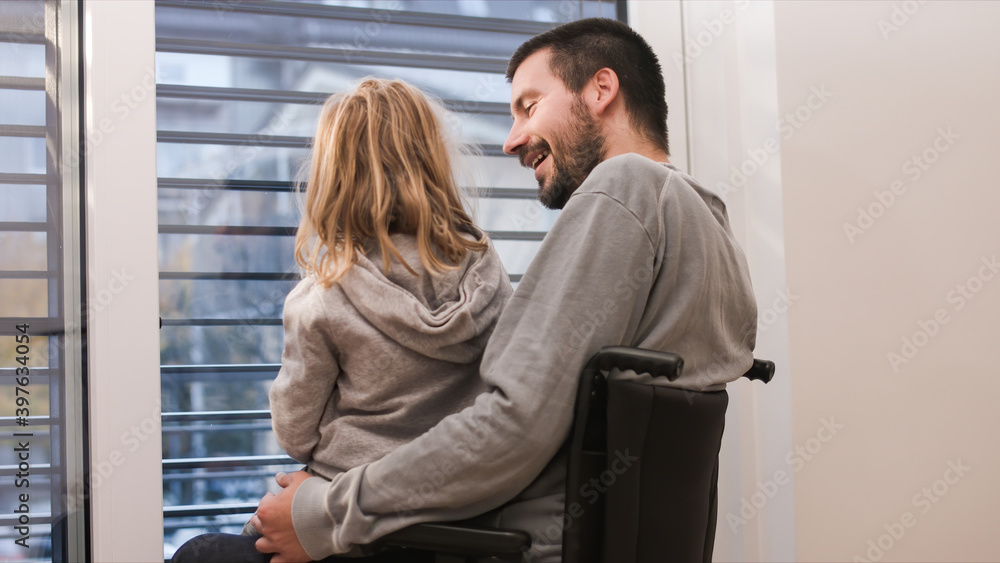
239 89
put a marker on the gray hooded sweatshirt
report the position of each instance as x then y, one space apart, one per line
379 358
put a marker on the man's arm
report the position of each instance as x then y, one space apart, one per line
481 457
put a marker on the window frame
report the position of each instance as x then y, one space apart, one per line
121 246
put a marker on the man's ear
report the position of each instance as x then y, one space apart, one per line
604 90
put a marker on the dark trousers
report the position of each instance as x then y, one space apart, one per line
231 548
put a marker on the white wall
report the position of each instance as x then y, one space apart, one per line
903 426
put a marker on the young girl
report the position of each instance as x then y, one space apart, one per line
384 335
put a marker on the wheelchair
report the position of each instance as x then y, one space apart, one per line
663 509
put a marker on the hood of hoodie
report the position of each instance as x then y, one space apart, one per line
447 316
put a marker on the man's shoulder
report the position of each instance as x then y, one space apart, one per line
637 181
629 180
623 170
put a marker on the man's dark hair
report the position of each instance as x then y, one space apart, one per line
583 47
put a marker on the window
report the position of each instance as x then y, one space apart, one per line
42 500
239 88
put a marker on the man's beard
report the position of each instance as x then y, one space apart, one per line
583 149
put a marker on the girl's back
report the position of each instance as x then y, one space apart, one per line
384 335
376 360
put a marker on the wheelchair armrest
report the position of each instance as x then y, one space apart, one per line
460 539
761 370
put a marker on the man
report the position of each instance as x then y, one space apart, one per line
641 256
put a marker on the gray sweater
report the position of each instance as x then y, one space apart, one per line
641 256
379 358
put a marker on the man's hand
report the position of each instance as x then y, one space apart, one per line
273 521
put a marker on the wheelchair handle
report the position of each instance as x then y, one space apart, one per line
761 370
662 364
657 364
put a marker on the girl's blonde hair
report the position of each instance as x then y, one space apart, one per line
380 166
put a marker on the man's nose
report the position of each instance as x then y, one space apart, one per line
515 140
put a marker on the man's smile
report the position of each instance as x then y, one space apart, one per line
539 159
537 164
535 156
